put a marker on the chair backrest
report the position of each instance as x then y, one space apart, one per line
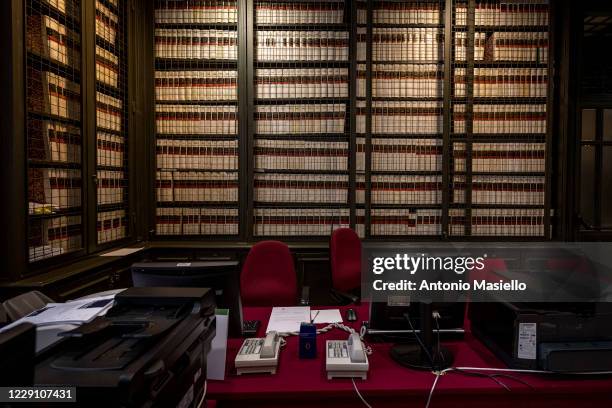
24 304
488 272
345 255
268 276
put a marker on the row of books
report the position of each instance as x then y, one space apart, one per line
402 81
67 7
53 94
484 222
401 13
406 154
394 117
196 120
504 13
402 44
109 112
360 222
216 85
196 44
504 82
107 67
360 186
360 154
197 154
302 45
404 189
38 253
456 224
299 221
197 221
502 157
405 221
385 189
110 150
48 38
111 186
328 12
506 190
301 83
504 46
512 46
507 222
53 141
54 236
300 118
58 188
196 12
111 226
461 46
300 155
53 90
321 222
197 186
107 23
301 188
503 118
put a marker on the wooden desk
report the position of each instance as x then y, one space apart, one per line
303 383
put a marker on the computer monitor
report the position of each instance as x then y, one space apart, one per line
17 348
222 276
401 320
388 317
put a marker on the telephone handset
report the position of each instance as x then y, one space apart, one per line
346 358
258 355
268 349
356 351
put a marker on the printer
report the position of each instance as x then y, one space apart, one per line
565 337
149 350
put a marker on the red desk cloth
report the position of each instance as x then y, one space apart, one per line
304 383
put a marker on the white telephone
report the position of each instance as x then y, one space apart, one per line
258 355
346 358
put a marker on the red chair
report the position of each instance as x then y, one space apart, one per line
345 257
268 276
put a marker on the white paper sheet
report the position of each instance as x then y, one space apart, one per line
75 312
215 362
288 319
326 316
123 252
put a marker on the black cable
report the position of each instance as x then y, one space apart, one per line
515 379
431 361
482 375
436 316
493 377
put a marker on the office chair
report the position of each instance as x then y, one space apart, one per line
345 257
491 265
24 304
268 276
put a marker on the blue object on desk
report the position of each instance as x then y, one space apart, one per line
308 340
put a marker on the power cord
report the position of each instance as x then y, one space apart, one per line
349 330
494 377
329 327
429 357
436 316
433 387
466 370
359 394
203 399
